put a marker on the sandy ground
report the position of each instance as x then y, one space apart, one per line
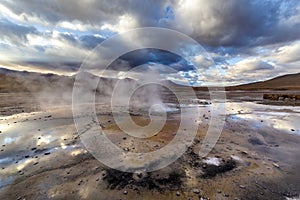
256 157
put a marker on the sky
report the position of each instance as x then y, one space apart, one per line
248 40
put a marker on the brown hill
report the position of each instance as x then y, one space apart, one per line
285 82
22 81
15 81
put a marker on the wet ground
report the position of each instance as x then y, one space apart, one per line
256 157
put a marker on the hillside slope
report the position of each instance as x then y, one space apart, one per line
285 82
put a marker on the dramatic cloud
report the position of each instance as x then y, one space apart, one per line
248 40
14 33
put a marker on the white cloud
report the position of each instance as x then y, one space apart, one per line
287 53
77 25
203 61
251 64
125 22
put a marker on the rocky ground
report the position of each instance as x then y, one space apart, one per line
256 157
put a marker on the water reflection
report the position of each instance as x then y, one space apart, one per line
283 118
30 140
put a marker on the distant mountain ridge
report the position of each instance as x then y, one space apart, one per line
23 81
285 82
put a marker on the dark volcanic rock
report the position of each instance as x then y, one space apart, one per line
118 180
193 158
278 97
213 170
255 141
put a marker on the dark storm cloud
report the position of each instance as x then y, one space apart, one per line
214 22
149 57
238 22
143 56
88 11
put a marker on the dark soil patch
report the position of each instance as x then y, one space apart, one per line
118 180
213 170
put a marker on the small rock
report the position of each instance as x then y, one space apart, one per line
47 153
229 147
242 186
81 181
276 165
226 195
219 191
177 193
139 174
196 191
197 141
125 192
104 174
